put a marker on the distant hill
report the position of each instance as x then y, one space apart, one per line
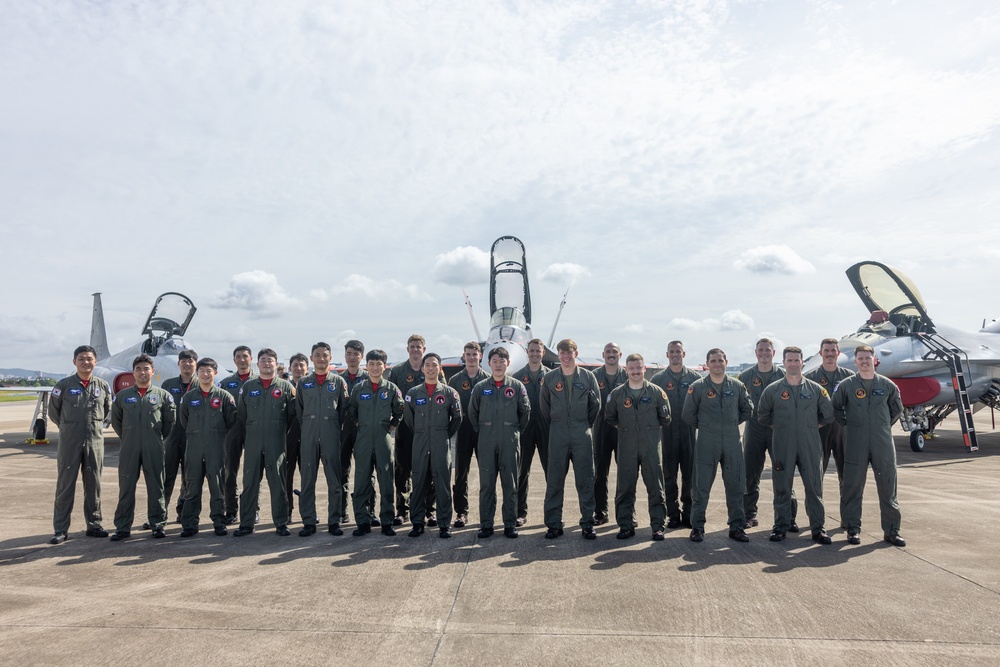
22 373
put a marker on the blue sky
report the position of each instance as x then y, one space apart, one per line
307 171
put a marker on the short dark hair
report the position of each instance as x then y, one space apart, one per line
864 348
242 348
319 346
429 355
354 344
499 352
188 354
566 345
83 349
143 359
298 356
830 341
791 349
635 356
376 355
473 345
209 362
715 350
267 352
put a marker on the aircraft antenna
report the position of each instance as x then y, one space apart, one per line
468 304
552 336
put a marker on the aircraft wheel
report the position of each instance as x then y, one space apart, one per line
39 430
917 440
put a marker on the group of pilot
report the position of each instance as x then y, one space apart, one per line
412 435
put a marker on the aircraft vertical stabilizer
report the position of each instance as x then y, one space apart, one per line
98 334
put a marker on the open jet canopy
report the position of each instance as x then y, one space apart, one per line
509 277
170 316
886 289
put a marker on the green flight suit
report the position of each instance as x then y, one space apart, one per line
498 414
348 436
868 410
142 423
266 413
605 438
639 418
678 443
173 446
321 409
831 434
433 419
467 439
405 379
795 413
570 405
206 420
79 411
535 436
757 439
717 412
235 441
374 413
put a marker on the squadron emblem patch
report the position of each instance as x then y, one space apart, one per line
466 386
216 403
559 386
509 392
785 395
439 399
628 402
757 382
276 392
670 386
711 393
860 393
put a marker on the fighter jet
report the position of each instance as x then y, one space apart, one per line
164 328
938 369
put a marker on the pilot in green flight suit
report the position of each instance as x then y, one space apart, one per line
142 416
795 407
867 404
433 411
321 407
207 415
499 410
716 405
266 408
570 400
78 405
376 406
639 409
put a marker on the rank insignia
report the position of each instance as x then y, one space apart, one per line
276 392
509 392
860 393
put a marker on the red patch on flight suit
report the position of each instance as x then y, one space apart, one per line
439 399
670 386
860 393
466 386
216 403
823 381
601 384
276 392
711 393
628 402
785 396
558 386
691 389
509 392
756 382
525 379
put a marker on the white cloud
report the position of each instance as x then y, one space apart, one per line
255 291
567 273
462 266
634 328
731 320
385 289
773 259
735 320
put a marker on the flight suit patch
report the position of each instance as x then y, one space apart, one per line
384 395
805 395
525 379
439 399
153 400
131 399
860 393
255 392
728 393
75 392
466 386
710 393
364 397
756 382
331 387
785 396
509 392
823 381
232 385
558 386
57 392
628 402
645 399
276 392
420 401
195 403
308 385
599 384
878 392
487 392
578 385
670 386
409 399
409 378
216 403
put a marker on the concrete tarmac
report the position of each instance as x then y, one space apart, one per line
376 600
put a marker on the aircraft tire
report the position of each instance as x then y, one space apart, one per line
39 430
917 440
